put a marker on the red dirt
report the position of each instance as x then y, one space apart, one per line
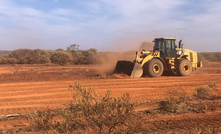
27 88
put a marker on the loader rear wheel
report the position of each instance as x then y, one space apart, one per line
154 68
184 68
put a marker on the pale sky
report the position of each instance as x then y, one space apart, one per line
109 25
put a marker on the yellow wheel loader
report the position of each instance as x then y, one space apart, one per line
165 58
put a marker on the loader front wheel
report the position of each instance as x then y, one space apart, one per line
154 68
184 68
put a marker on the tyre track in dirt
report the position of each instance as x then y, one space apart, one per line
154 88
28 97
142 89
25 97
207 123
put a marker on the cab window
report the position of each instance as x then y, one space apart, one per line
168 44
173 44
158 44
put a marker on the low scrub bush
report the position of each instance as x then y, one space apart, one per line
209 92
172 105
89 112
42 121
202 101
213 85
203 93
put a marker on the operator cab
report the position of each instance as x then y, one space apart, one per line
166 46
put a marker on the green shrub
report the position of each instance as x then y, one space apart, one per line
3 60
11 60
21 55
28 56
38 56
85 56
61 58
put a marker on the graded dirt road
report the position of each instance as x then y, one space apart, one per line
28 88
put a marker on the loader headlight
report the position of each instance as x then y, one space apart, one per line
179 52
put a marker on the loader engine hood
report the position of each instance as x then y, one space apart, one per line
143 54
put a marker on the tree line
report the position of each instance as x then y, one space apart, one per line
73 55
59 56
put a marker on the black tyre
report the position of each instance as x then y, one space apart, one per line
184 68
153 68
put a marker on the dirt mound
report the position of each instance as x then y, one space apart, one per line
121 76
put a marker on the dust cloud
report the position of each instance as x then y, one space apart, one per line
124 50
108 61
129 42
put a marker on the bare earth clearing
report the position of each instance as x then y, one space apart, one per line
27 88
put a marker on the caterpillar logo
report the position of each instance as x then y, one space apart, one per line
155 54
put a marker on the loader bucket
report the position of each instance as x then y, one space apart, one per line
137 71
130 68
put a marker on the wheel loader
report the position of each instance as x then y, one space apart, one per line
165 58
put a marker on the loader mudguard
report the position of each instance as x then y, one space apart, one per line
146 59
154 54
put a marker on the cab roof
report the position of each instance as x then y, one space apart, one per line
165 38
